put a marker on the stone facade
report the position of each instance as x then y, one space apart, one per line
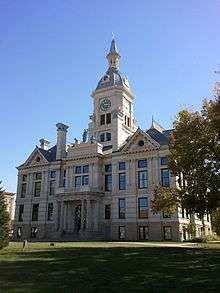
99 188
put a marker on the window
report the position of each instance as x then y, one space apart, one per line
165 177
108 182
142 164
167 232
166 215
102 137
108 118
142 208
64 179
142 179
50 212
121 232
53 174
107 211
122 166
86 169
52 187
24 178
38 176
143 232
85 180
128 121
20 213
23 189
102 119
37 188
108 168
78 170
34 232
35 210
141 143
122 181
108 136
121 208
19 232
77 181
163 161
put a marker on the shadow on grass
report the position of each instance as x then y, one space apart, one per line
112 270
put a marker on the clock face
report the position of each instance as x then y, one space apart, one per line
105 105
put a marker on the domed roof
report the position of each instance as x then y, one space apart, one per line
112 77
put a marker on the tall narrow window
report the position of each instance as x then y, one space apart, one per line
107 211
50 212
34 231
52 187
122 181
142 208
165 177
163 161
108 136
37 184
142 179
102 119
82 177
108 182
35 210
108 118
64 179
121 166
121 208
121 232
24 186
167 231
102 137
77 181
143 233
20 213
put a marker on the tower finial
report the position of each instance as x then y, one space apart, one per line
113 36
113 55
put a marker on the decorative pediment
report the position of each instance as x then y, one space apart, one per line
140 141
36 158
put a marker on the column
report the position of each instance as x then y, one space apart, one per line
82 214
96 215
61 216
88 216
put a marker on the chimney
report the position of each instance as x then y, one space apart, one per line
44 144
61 140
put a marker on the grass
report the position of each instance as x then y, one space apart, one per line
109 267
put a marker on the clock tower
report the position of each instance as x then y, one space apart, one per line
112 121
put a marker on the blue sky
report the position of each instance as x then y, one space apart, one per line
53 54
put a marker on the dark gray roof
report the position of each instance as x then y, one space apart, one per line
50 154
112 77
113 48
162 138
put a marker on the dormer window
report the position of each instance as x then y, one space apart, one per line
105 78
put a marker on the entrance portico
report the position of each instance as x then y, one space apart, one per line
78 214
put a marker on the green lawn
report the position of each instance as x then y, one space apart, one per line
109 267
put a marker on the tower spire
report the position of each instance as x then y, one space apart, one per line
113 55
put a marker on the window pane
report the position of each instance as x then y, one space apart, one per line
37 188
34 231
86 169
35 212
121 232
78 170
52 187
23 189
108 136
108 118
77 181
108 168
24 178
167 233
50 212
108 182
102 137
107 211
85 180
165 178
122 166
163 161
142 179
102 119
121 208
143 208
142 164
122 181
21 212
53 174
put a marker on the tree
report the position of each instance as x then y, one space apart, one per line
215 217
195 160
165 199
4 221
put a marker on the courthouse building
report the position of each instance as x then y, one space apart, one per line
100 187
